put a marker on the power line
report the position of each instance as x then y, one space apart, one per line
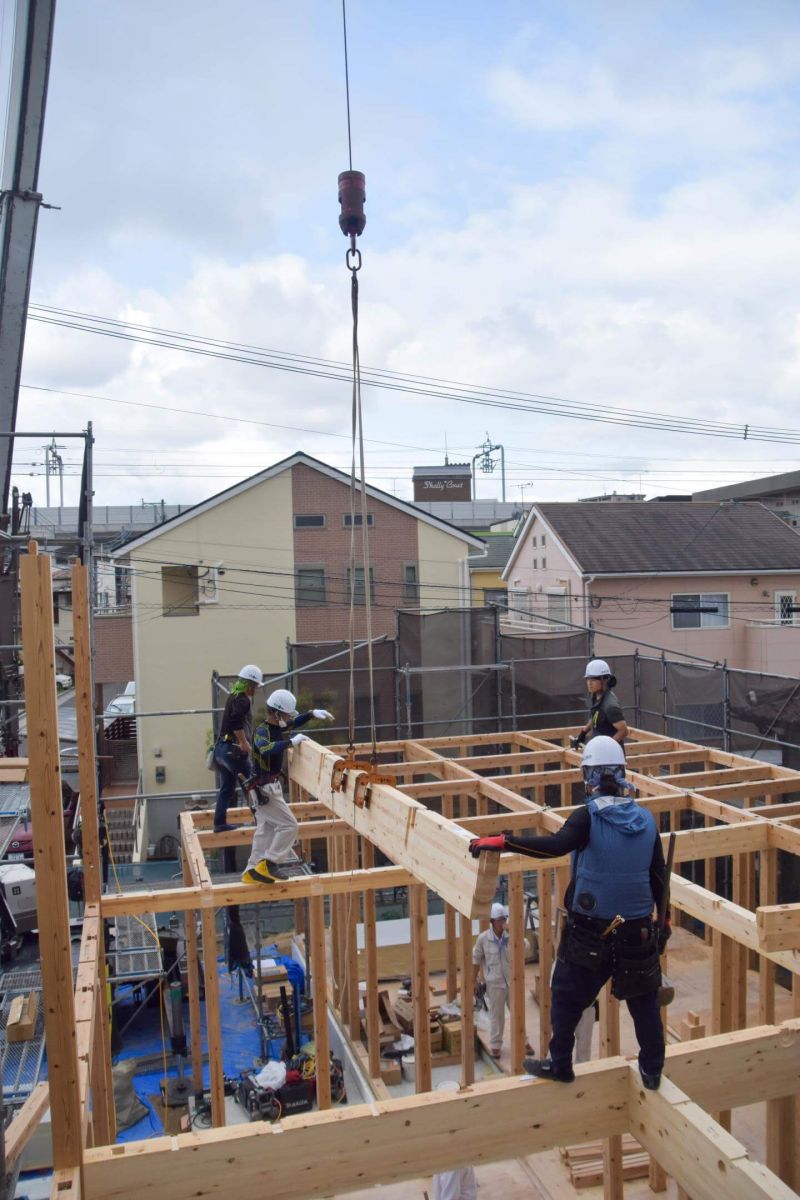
427 386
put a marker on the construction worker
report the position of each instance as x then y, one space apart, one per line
232 748
618 876
490 956
276 824
606 717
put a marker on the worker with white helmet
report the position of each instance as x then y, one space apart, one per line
490 957
276 824
232 747
618 878
606 717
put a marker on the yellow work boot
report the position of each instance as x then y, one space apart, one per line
260 873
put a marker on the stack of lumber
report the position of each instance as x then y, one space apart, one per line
585 1163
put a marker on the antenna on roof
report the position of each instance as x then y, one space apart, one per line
446 459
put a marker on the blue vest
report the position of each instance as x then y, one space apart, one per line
612 874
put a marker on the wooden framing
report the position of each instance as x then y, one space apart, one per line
446 791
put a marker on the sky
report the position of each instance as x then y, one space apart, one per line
594 201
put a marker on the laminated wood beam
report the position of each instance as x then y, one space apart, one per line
699 1154
516 923
213 1028
418 914
371 963
434 850
778 926
49 853
84 711
320 1154
25 1123
735 922
467 1005
319 984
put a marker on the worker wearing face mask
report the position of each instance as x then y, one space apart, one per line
276 824
232 747
617 879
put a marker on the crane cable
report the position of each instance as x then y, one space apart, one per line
352 221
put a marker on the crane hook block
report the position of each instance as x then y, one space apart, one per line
352 198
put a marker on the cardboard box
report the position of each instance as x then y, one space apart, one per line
436 1037
22 1014
452 1029
391 1072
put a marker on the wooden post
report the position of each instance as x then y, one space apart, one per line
371 956
451 951
723 952
418 911
213 1030
609 1046
709 879
545 889
350 1005
516 921
49 854
738 980
84 711
337 923
319 986
103 1112
768 864
467 1004
193 981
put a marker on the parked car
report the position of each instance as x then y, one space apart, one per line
120 706
63 680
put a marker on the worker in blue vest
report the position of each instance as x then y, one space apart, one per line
617 880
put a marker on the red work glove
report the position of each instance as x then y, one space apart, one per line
497 843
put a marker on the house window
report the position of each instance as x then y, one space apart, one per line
496 596
310 586
180 591
700 610
558 605
544 539
357 586
544 564
309 520
410 584
533 540
55 610
348 520
535 564
784 603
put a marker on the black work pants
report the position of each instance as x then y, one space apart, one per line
574 989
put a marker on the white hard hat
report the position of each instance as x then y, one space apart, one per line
603 751
283 702
499 912
597 669
252 674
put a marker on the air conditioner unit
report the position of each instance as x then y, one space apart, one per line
209 586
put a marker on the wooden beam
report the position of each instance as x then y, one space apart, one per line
434 850
49 854
729 918
319 986
418 913
25 1123
778 926
313 1155
702 1156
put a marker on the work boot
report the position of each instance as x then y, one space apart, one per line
650 1079
543 1068
260 873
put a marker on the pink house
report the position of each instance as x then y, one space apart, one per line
716 580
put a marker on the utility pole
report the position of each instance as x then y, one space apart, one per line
488 464
21 201
53 465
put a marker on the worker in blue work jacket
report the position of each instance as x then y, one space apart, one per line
617 880
232 747
276 824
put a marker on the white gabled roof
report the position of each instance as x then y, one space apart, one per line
297 459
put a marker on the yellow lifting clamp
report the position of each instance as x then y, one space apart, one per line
366 774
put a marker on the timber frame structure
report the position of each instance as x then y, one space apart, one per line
445 791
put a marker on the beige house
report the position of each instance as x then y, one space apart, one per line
720 581
230 580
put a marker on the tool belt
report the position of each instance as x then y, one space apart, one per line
636 966
263 788
582 945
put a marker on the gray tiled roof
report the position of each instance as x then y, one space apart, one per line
498 552
674 537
